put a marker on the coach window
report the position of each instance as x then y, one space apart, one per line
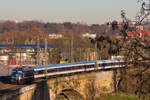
49 70
40 72
35 72
60 69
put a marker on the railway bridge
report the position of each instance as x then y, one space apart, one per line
79 86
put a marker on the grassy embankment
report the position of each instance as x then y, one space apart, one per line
119 97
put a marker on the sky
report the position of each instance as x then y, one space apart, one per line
83 11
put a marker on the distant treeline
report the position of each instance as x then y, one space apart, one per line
12 32
57 28
50 28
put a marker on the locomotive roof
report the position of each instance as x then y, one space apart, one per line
41 67
34 46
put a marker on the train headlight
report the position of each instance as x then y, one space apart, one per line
19 77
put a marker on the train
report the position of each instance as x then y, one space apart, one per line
24 75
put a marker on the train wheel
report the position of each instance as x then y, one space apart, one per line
20 82
13 82
31 81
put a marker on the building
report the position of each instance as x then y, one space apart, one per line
55 36
139 33
4 59
20 54
88 35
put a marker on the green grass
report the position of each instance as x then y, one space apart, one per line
118 97
121 98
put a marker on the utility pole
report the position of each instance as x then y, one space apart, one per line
80 54
20 59
72 55
38 51
87 54
96 63
45 58
96 50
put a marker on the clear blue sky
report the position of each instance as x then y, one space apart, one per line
85 11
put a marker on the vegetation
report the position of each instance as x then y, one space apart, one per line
136 51
118 97
134 79
27 31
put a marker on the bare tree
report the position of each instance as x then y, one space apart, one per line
144 12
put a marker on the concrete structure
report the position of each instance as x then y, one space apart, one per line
55 36
70 87
4 59
88 35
